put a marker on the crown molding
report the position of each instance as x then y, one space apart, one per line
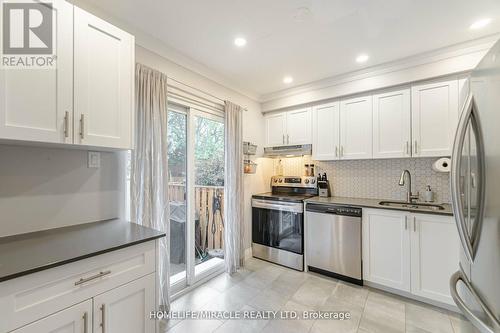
478 46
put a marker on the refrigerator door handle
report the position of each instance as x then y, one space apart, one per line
473 318
456 155
469 242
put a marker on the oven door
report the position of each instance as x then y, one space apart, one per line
278 224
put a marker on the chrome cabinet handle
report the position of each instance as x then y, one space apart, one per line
407 148
341 151
283 138
287 138
414 224
85 280
415 148
103 318
406 222
85 323
66 124
474 319
82 126
336 151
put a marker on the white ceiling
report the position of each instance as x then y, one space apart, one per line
320 45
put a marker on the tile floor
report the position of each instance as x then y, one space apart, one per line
264 286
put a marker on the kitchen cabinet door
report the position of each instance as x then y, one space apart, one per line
386 248
75 319
392 124
103 83
36 104
434 118
275 129
126 309
356 128
299 127
435 251
326 132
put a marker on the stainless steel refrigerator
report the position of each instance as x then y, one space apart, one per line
475 187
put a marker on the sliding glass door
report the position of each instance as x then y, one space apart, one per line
196 194
208 191
177 186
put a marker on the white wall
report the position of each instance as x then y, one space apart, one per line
43 188
253 123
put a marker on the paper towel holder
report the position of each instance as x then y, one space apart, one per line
442 165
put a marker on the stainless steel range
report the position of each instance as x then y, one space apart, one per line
278 220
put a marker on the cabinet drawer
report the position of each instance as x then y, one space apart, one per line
35 296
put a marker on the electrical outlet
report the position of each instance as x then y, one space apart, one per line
94 159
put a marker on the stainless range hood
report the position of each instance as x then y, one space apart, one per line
288 151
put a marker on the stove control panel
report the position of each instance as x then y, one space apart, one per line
292 181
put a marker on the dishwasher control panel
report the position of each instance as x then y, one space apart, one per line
335 209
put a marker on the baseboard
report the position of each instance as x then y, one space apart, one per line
405 294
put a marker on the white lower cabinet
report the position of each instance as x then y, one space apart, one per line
75 319
386 249
434 256
126 309
414 253
109 293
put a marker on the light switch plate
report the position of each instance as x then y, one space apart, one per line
94 159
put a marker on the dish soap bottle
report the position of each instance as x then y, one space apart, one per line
428 194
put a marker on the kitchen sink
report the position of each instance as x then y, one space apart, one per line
413 205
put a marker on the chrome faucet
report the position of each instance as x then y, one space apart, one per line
410 197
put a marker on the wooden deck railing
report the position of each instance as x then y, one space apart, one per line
211 224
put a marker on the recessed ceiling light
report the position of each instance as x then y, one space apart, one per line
240 41
480 23
362 58
287 79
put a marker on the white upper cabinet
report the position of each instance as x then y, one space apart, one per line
326 132
276 129
104 85
86 99
289 128
435 256
392 124
35 102
434 118
298 124
356 128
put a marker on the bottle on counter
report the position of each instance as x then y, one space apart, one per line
428 194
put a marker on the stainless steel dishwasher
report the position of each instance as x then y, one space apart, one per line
333 241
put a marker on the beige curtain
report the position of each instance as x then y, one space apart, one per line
149 166
233 187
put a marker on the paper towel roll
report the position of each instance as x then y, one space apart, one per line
442 165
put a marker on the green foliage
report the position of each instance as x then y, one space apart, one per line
208 150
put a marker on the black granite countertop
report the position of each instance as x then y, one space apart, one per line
375 203
36 251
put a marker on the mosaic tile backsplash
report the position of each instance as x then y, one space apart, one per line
373 179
